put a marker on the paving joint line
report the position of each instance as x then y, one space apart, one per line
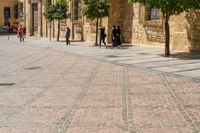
180 107
79 98
37 96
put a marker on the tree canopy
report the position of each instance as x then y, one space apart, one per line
61 9
57 12
49 12
96 8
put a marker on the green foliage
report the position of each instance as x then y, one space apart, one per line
50 12
96 8
57 11
170 7
61 9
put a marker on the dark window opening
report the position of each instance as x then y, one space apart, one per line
77 9
6 16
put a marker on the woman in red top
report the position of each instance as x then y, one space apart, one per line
20 33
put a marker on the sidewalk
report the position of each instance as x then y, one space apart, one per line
48 87
141 56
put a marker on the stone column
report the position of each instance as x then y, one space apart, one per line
28 15
40 18
116 15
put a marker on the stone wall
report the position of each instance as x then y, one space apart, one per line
135 29
10 4
116 16
127 27
178 33
193 31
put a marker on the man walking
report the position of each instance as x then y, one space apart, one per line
102 36
67 35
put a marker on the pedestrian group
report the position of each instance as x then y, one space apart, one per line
116 33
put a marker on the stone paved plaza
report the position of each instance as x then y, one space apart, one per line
48 87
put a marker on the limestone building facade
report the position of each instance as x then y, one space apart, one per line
7 13
139 24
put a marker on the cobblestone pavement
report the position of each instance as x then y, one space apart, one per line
43 90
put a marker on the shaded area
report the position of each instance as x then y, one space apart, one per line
7 84
185 55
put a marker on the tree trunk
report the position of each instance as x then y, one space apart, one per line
58 30
53 28
50 29
46 29
96 41
167 36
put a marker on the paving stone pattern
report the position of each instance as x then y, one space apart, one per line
58 92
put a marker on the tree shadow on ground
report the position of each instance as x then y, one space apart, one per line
124 46
71 41
185 55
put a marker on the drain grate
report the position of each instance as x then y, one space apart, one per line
32 68
144 53
7 84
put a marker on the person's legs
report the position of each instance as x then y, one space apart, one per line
118 42
20 37
100 42
23 38
104 41
68 41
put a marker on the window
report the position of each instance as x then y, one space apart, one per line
77 9
6 16
20 9
153 13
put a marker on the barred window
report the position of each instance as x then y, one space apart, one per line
20 10
153 13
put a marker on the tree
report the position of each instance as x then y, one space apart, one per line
60 13
169 8
95 9
49 15
57 12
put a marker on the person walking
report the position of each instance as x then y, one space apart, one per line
102 37
67 35
114 37
118 33
20 33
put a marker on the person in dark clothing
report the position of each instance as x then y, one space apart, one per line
67 35
118 33
102 36
114 35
